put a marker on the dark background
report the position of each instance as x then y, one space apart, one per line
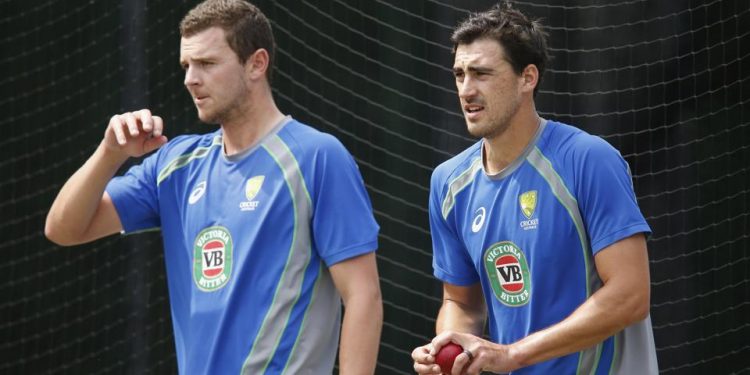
666 82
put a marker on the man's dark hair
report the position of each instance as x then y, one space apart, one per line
247 29
524 40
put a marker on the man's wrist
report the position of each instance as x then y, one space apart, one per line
111 156
516 356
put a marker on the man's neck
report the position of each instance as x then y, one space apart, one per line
253 124
502 150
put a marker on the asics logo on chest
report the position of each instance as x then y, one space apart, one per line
478 222
197 193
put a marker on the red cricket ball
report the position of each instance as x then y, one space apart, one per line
446 355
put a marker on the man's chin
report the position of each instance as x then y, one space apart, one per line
207 118
476 130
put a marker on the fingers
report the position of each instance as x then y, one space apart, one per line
427 369
131 124
422 354
424 363
444 338
478 354
135 133
146 119
462 363
158 127
154 143
115 125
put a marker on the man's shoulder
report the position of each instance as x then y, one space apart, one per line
305 140
457 165
181 150
576 155
188 143
568 142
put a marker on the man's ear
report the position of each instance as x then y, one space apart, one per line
257 64
529 78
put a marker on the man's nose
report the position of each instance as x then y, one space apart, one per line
466 88
191 77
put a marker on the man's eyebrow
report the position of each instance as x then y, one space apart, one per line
479 69
202 58
473 69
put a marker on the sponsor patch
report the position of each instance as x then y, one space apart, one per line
508 273
212 258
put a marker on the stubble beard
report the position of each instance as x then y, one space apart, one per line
497 125
207 118
221 115
214 118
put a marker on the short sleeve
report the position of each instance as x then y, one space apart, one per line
606 197
451 261
343 223
135 196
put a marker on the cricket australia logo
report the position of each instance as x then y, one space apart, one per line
509 274
252 188
527 201
212 258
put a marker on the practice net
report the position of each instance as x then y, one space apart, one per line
664 82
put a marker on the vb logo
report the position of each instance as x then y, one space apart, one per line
508 272
212 258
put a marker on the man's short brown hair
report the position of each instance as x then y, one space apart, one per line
247 29
524 40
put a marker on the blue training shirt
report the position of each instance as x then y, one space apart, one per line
529 235
248 240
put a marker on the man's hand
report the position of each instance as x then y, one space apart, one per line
424 362
479 355
134 134
82 211
463 310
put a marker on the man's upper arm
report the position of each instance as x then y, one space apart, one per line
356 275
470 296
343 223
106 221
624 267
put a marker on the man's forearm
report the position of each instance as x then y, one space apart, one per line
360 336
454 316
601 316
623 300
73 209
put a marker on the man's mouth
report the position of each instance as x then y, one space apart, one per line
473 108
